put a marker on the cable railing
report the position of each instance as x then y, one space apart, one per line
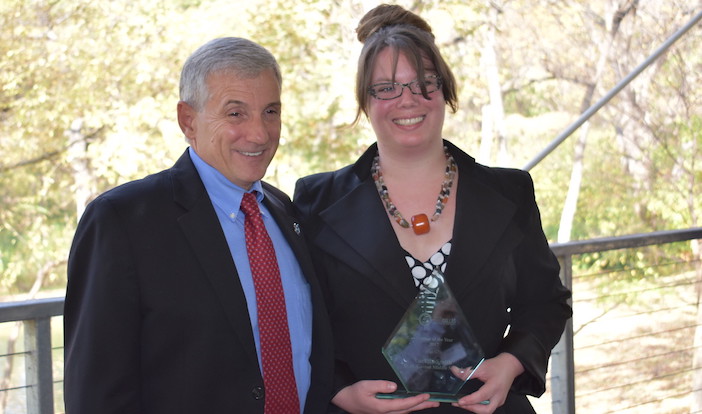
580 370
35 317
639 327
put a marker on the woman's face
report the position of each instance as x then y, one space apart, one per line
409 120
238 129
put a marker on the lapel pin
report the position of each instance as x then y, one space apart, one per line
296 227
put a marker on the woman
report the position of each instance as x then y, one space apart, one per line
414 202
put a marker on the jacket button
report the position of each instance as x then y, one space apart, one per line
258 393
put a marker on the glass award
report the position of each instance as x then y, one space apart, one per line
433 350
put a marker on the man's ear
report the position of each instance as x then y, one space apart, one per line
186 119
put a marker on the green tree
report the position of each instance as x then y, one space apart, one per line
89 91
82 102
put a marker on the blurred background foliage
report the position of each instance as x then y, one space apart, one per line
88 92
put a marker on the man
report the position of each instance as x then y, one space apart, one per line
163 307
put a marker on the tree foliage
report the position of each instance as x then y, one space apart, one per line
82 83
89 92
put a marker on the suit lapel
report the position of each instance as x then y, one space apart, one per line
366 242
482 217
202 229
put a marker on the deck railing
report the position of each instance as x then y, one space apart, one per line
35 316
563 373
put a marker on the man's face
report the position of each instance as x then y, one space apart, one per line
238 129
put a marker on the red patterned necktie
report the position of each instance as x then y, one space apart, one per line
276 355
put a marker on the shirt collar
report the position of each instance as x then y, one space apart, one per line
225 195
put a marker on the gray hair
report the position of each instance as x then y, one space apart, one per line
241 56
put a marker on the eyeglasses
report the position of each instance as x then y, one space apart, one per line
392 90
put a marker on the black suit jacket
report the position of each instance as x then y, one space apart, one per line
501 270
155 316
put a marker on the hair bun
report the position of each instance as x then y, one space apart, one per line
388 15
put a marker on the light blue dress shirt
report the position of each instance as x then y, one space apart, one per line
226 198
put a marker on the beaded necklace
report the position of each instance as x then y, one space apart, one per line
420 222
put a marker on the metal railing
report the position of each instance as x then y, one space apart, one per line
592 110
563 358
36 315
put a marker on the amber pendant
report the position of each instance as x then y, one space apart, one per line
420 224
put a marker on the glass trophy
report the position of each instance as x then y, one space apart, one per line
433 350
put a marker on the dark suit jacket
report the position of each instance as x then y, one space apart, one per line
155 317
501 270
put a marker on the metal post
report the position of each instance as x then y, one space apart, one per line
562 358
38 367
611 94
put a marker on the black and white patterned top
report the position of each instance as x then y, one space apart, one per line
421 271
